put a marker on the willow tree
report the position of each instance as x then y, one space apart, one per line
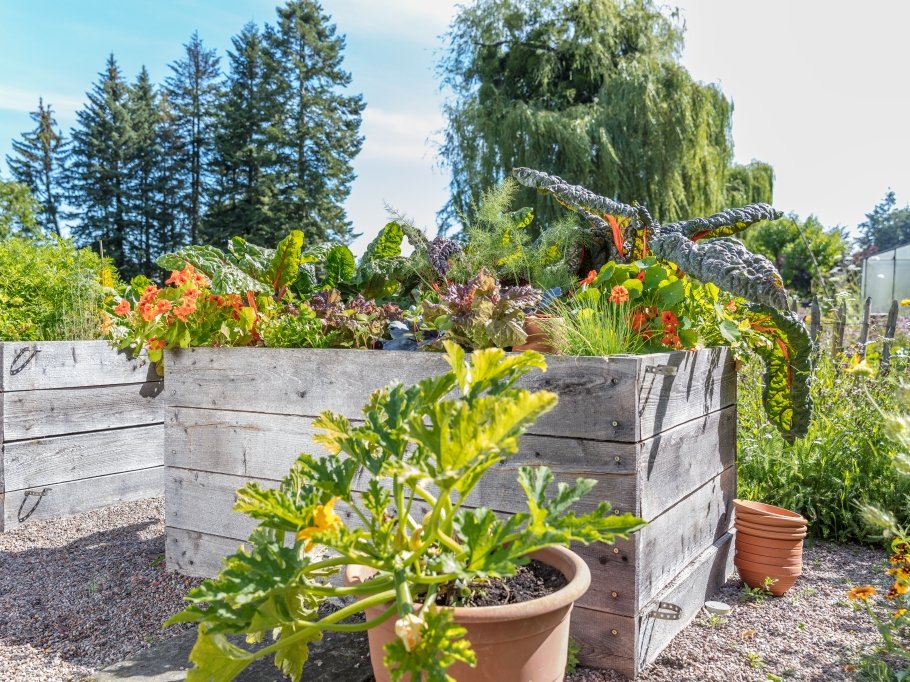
591 90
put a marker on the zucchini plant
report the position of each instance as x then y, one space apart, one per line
704 249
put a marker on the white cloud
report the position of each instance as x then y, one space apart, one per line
23 100
393 135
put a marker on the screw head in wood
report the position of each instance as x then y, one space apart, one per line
615 423
614 594
616 550
614 631
617 459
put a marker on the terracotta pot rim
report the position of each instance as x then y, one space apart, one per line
560 558
762 509
773 570
775 532
770 520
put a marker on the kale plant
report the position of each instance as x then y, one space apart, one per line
704 249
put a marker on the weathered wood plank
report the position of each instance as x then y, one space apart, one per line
265 446
51 461
73 497
197 554
594 392
68 364
673 539
606 640
677 462
51 412
705 381
694 585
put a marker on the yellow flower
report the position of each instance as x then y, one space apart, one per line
860 367
408 629
905 302
899 588
324 519
899 613
863 592
901 573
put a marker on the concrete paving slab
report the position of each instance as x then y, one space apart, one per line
339 657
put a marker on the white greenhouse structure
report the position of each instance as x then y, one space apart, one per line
886 277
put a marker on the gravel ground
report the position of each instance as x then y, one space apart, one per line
78 594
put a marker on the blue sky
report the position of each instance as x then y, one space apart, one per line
819 91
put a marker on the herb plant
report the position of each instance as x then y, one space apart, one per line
415 446
704 249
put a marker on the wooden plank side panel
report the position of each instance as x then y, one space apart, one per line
74 497
697 583
672 540
679 461
69 364
51 461
197 554
265 445
705 381
594 392
606 640
52 412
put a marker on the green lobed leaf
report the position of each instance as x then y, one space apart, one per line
252 259
215 659
387 243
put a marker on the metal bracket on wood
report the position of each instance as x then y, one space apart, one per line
31 493
663 370
666 611
16 368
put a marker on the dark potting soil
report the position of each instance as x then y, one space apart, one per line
532 581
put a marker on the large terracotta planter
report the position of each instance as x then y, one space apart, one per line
525 642
538 335
769 544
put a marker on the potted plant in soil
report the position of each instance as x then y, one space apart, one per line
408 574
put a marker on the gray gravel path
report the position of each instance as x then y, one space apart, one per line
80 593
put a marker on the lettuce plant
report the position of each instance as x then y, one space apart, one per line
416 446
704 249
481 313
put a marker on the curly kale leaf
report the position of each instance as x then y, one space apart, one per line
787 355
725 262
572 196
726 223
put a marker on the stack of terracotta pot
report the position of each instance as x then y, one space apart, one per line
769 544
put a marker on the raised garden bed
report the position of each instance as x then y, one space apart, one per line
656 431
81 429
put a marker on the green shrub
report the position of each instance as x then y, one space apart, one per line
843 462
50 291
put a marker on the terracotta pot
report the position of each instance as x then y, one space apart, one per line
787 548
770 531
780 522
784 559
756 579
745 537
538 338
748 507
513 643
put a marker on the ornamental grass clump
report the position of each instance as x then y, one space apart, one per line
358 505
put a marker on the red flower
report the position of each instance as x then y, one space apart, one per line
731 306
123 308
669 320
639 320
589 280
162 306
186 308
619 294
155 344
672 340
640 276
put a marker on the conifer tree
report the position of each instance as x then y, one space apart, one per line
173 221
141 163
193 91
244 159
97 165
37 163
318 136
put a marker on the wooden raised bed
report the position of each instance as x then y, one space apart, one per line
80 429
658 432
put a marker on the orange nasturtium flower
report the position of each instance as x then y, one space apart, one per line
155 344
123 308
188 274
669 320
589 280
863 592
639 320
324 519
619 294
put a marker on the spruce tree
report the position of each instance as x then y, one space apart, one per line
193 91
97 168
318 136
172 218
142 158
38 162
244 159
